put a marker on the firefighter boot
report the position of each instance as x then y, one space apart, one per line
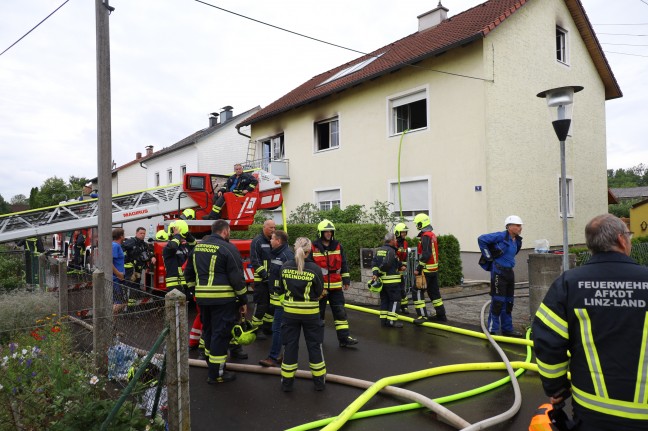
287 384
319 382
237 353
223 378
213 215
348 341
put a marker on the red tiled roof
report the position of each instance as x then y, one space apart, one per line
461 29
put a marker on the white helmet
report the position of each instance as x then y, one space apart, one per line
512 219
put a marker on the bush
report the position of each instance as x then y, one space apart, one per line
450 269
46 384
356 236
12 264
21 307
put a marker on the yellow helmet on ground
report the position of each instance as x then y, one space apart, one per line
243 333
421 220
400 227
375 285
161 235
325 225
188 214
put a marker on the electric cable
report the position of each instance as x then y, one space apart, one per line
34 28
401 63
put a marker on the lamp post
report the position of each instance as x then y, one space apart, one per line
562 99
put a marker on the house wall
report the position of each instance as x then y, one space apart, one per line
491 132
367 159
222 149
523 152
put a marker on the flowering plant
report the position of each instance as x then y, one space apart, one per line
46 384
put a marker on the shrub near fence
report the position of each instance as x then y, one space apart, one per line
356 236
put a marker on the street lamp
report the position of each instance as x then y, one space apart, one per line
562 98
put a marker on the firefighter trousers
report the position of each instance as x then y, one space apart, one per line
335 299
218 321
291 328
263 311
432 282
501 308
390 297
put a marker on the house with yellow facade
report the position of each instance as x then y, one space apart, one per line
450 116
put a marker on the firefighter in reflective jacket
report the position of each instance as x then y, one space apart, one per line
33 244
593 323
215 269
428 250
241 183
400 230
301 285
328 255
137 257
260 259
175 254
386 267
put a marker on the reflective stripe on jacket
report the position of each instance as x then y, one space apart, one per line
428 250
593 323
333 264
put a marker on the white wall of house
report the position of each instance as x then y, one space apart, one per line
522 149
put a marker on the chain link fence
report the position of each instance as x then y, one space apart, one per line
639 253
78 351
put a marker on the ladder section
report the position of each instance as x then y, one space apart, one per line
251 151
84 214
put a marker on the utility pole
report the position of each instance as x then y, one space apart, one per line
104 159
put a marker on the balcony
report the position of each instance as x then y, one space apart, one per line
277 167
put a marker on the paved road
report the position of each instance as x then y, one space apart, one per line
255 401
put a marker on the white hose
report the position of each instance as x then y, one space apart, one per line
516 386
442 413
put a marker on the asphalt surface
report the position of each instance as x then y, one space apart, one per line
255 401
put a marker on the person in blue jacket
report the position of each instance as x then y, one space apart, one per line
498 251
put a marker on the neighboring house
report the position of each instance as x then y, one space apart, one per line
639 218
214 149
630 193
479 143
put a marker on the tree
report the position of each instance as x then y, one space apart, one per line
306 213
33 198
19 200
4 206
53 191
75 185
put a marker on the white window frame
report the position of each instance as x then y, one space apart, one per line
327 204
407 98
333 136
562 45
169 176
570 197
183 170
409 213
156 179
352 69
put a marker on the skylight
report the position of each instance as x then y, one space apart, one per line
352 69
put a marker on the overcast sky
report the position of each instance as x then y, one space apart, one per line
175 61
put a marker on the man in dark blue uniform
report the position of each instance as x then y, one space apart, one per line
593 323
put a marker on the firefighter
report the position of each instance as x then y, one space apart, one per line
329 255
498 256
78 250
386 267
33 244
175 254
280 254
593 324
217 273
428 265
138 257
260 259
400 230
301 283
241 183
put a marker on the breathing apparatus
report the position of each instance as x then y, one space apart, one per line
243 333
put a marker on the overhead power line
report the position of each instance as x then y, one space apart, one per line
624 44
624 34
335 45
33 28
625 53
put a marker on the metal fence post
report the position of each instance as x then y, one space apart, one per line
64 308
102 320
42 274
177 376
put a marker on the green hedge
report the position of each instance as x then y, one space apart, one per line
356 236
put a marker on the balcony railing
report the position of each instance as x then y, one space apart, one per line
279 167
